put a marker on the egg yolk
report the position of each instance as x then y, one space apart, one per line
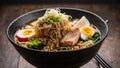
87 30
27 32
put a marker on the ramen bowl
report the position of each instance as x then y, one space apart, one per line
58 59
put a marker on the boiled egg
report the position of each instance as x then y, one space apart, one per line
86 31
25 34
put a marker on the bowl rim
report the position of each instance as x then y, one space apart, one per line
66 8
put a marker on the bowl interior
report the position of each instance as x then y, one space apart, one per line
75 13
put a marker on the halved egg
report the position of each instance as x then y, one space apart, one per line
25 34
86 31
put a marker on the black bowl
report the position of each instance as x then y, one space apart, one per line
61 59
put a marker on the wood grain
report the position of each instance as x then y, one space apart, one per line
111 47
9 58
8 55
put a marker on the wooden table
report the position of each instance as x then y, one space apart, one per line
110 50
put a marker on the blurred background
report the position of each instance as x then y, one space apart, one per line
58 1
107 9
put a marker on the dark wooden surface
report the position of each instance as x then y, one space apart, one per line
110 50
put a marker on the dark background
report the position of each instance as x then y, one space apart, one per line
60 1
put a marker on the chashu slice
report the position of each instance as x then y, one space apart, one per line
72 37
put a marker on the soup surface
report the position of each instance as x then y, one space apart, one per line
56 31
